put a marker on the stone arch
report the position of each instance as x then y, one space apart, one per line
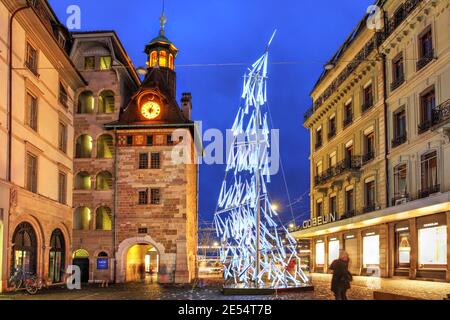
40 241
126 244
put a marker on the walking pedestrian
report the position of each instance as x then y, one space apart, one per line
340 282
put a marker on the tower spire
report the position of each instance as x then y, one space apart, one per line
162 19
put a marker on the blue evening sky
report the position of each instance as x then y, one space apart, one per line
236 31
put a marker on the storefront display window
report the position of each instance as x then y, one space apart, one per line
320 253
404 249
333 250
371 250
433 246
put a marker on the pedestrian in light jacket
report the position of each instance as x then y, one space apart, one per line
340 282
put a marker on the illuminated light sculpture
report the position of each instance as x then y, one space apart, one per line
253 251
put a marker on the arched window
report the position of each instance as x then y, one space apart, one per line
103 254
171 64
104 181
85 102
82 218
153 58
83 148
57 256
103 219
80 253
24 249
105 146
106 102
82 181
163 59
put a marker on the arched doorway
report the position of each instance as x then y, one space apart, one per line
57 257
142 263
81 259
24 249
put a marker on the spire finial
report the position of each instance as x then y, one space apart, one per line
162 19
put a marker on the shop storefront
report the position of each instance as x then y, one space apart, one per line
351 247
333 249
402 247
413 248
432 246
319 255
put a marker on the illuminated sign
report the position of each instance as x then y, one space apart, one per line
318 221
102 263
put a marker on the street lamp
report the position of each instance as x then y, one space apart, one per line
274 206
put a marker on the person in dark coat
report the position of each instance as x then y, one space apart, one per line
340 282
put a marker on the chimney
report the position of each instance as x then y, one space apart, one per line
186 104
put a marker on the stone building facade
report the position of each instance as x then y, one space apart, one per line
38 82
387 203
135 207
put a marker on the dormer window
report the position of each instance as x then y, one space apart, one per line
105 63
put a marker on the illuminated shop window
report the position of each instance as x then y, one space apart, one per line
162 59
433 246
320 253
371 251
404 249
153 58
333 250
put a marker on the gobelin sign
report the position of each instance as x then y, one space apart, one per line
318 221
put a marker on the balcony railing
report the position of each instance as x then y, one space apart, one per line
369 208
348 214
348 120
368 157
399 140
424 126
351 164
425 59
377 40
399 196
426 192
441 112
397 82
367 105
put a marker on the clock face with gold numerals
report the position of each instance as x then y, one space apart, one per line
150 109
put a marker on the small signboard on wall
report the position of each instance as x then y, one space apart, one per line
102 263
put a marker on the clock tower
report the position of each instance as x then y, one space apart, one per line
156 195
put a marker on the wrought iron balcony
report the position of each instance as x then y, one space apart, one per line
441 112
399 196
348 120
399 140
426 59
426 192
368 157
424 126
369 208
348 214
350 164
397 82
367 105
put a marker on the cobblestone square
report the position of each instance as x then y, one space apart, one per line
362 289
